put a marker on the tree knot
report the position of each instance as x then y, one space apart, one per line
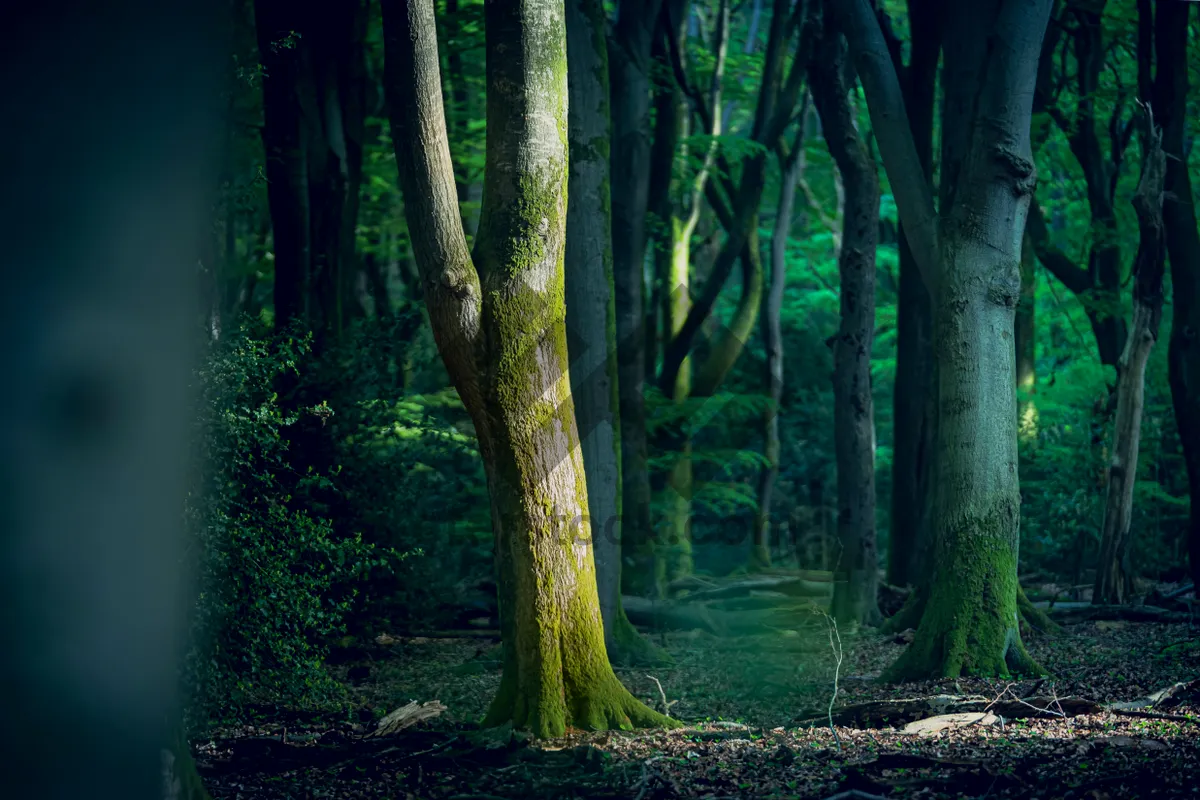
1004 288
1017 170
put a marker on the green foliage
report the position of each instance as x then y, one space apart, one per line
274 579
410 477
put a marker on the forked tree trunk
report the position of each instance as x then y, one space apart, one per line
1183 247
629 65
855 591
498 320
970 255
1114 579
591 317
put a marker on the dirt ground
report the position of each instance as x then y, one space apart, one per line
756 713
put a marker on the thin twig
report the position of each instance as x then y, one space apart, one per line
663 695
835 644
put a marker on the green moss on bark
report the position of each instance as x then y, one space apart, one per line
970 625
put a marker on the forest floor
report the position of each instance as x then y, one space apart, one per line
756 714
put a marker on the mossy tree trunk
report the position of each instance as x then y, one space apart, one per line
591 317
629 65
1114 578
969 255
1183 245
855 599
498 317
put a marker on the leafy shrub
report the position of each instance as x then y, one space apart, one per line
275 582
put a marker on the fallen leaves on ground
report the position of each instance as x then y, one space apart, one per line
757 714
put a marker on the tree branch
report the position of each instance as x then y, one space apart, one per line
1059 263
451 284
885 102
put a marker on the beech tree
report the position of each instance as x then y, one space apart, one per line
1183 246
591 316
968 247
857 568
498 316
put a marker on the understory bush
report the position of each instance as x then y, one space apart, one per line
275 580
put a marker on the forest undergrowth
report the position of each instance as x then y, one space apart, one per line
759 722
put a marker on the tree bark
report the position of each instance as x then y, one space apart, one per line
970 254
913 404
772 333
498 320
591 317
335 124
1025 342
629 63
1183 248
283 136
855 593
1114 579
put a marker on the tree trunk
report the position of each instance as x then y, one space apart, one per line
772 333
970 255
314 109
1025 342
629 63
334 122
499 326
1114 579
913 403
283 135
855 593
1183 249
180 780
591 317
